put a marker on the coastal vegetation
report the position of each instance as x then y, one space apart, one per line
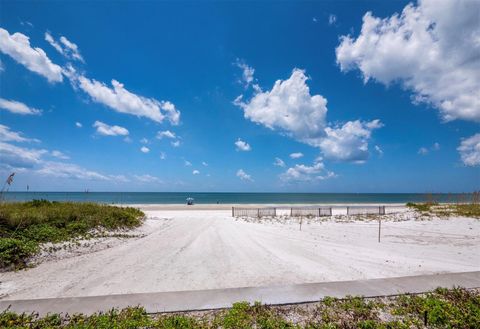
442 308
447 210
24 226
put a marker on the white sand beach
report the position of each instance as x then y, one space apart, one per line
204 249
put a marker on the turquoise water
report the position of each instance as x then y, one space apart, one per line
279 198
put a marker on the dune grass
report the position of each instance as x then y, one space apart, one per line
442 308
445 210
26 225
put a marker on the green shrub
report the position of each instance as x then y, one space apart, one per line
40 221
14 251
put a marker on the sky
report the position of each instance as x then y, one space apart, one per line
291 96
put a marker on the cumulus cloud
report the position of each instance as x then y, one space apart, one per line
122 100
242 146
469 150
163 155
195 172
244 176
107 130
204 164
18 108
423 151
431 49
247 72
348 142
303 173
144 149
379 150
290 108
187 163
175 143
7 135
279 162
18 47
78 125
166 134
65 47
296 155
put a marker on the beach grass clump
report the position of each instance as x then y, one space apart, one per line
26 225
442 308
446 210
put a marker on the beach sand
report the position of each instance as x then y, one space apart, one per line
205 249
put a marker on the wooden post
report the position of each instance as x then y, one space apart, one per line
379 228
348 213
291 212
274 212
258 212
233 212
301 220
319 211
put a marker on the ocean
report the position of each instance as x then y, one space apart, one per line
241 198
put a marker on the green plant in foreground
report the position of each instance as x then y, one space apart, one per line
442 308
24 226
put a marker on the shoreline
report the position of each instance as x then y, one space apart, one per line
228 206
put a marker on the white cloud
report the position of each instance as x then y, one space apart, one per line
423 151
426 150
163 155
36 60
78 125
431 49
71 49
279 162
64 47
247 72
348 142
147 178
303 173
175 143
166 134
469 150
53 43
244 176
144 141
121 100
332 19
379 150
290 108
187 163
68 170
60 155
195 172
242 146
144 149
7 135
107 130
204 164
18 108
296 155
20 157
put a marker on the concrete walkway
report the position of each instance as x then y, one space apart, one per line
221 298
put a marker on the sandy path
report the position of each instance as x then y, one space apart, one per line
187 250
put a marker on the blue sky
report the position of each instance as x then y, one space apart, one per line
347 101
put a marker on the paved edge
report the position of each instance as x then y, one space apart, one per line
194 300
